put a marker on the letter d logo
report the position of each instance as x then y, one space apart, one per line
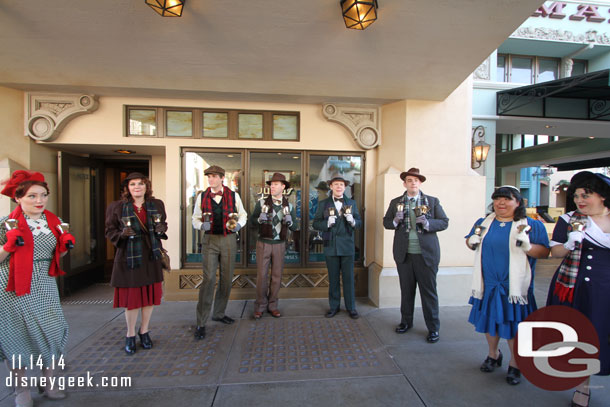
526 336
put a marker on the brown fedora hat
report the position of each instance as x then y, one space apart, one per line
279 178
338 177
413 172
214 169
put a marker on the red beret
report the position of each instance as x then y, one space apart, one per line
18 177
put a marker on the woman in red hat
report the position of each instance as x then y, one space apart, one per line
135 224
34 331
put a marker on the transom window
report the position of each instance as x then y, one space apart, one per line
230 124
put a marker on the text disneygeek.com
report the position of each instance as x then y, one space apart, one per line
67 382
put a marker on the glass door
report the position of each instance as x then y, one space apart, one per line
80 200
262 166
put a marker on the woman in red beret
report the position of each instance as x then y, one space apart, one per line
34 331
134 225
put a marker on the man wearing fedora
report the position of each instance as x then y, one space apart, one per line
212 214
273 215
337 217
416 250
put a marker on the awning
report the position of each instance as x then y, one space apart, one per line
585 97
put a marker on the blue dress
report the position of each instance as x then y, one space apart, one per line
494 314
591 289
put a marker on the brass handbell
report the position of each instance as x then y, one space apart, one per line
232 222
520 229
65 228
578 226
11 224
206 216
478 230
347 209
400 207
332 211
421 210
286 210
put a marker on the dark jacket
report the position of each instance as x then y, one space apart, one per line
428 240
122 276
339 238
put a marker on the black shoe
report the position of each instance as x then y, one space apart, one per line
331 313
145 340
490 364
200 332
224 320
130 345
402 328
432 337
514 376
353 314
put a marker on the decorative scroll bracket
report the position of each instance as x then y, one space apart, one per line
363 122
48 114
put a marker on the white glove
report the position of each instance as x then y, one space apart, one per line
206 226
473 241
331 220
350 218
262 217
524 238
287 220
422 221
573 238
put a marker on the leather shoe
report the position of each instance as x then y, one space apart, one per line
490 364
432 337
130 345
514 376
353 314
200 332
402 328
331 313
258 315
275 313
224 320
145 340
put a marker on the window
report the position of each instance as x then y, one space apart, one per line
247 172
147 121
532 69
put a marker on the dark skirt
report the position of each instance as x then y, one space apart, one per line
138 297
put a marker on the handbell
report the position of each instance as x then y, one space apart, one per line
127 223
420 210
578 226
11 224
400 207
286 210
232 222
478 230
265 209
156 218
206 216
520 229
332 211
65 228
347 209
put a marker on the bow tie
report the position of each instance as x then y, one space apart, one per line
338 200
213 194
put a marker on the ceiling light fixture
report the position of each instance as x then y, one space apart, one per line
125 151
167 8
359 14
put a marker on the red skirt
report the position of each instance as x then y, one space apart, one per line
138 297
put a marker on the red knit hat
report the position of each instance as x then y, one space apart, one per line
18 177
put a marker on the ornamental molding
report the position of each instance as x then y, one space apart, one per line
363 122
540 33
483 72
48 114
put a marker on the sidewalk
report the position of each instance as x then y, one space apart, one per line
301 359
